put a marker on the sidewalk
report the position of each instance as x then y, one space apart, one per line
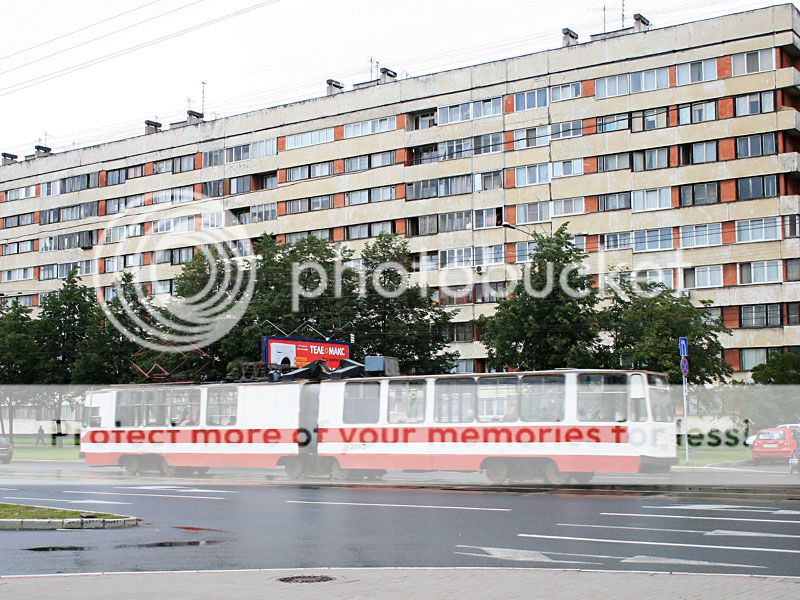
401 584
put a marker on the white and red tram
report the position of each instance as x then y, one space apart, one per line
563 425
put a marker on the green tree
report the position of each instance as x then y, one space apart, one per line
783 368
558 329
643 331
407 325
20 359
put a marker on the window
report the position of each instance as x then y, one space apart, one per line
182 256
709 276
114 264
751 188
182 164
211 189
648 240
423 225
656 199
213 158
612 123
757 230
375 229
264 212
566 130
542 398
18 274
663 277
616 85
455 221
533 212
567 206
618 201
488 181
749 358
753 104
22 193
454 401
698 112
368 127
115 176
654 118
618 241
488 143
453 186
470 110
237 153
455 257
792 312
651 79
19 220
50 188
528 100
693 236
357 232
614 162
568 168
361 402
425 120
530 138
48 272
532 175
406 402
602 398
654 158
309 138
460 332
222 406
793 269
357 197
694 72
489 255
761 315
488 217
212 220
565 92
299 205
762 271
525 251
490 292
699 194
753 62
498 399
422 189
356 163
240 185
755 145
383 193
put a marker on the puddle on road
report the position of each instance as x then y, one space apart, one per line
57 549
178 544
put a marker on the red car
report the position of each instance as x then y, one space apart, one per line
777 442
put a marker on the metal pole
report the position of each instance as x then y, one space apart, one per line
685 421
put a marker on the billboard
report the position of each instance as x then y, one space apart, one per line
300 352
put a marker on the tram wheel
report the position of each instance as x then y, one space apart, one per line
167 469
131 464
496 471
293 468
553 475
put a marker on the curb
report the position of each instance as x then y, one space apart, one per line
52 524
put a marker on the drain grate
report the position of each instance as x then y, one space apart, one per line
306 579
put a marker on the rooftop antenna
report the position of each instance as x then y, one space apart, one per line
623 14
604 18
203 98
188 103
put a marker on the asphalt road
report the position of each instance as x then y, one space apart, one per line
208 524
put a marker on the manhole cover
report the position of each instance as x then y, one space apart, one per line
306 579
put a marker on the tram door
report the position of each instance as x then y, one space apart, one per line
309 417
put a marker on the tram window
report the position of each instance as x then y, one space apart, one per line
603 397
455 401
184 407
154 408
661 403
406 402
542 398
91 416
222 406
361 402
128 412
498 399
638 403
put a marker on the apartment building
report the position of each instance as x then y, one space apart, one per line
672 152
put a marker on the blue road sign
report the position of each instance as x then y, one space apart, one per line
683 344
685 366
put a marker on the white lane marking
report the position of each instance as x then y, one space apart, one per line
716 532
644 543
660 560
9 489
147 495
519 555
172 488
728 508
651 516
398 505
63 500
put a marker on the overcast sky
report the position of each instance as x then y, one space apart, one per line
78 72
